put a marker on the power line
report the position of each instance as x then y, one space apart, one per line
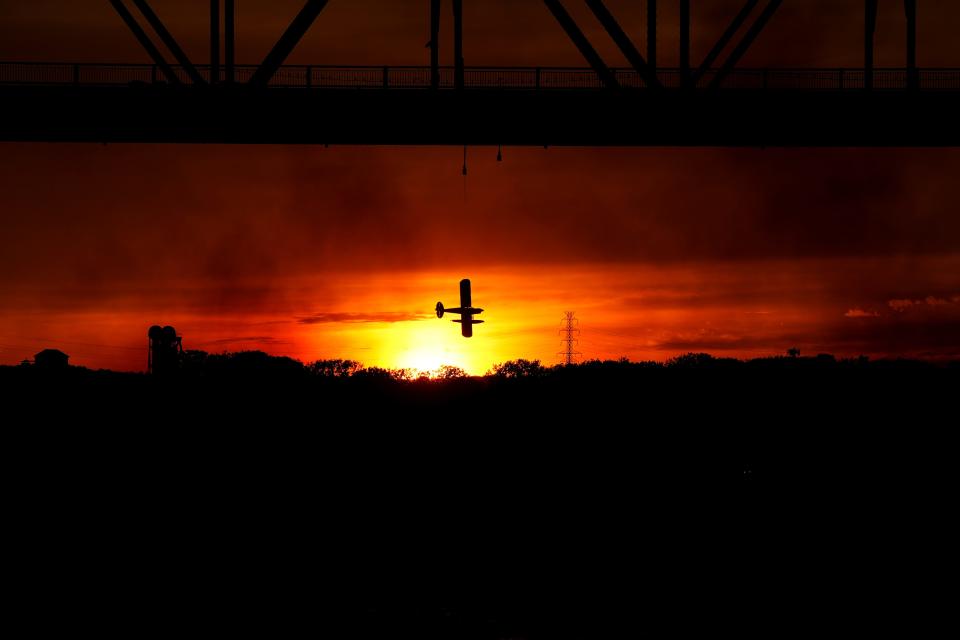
38 339
568 329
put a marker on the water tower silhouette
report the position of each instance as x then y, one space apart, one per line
163 358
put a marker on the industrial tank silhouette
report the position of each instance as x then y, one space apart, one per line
51 360
165 350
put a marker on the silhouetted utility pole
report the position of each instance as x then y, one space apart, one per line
568 330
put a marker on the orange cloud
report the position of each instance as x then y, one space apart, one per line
860 313
376 316
901 305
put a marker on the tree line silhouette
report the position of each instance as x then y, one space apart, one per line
538 502
258 363
782 417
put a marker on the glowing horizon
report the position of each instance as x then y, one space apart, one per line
642 312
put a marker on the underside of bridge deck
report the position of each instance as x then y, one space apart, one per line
187 114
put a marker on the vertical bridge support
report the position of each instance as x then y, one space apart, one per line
869 45
869 34
685 44
214 41
434 44
652 34
459 68
913 75
230 36
458 79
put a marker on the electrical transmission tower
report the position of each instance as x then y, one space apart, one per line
569 328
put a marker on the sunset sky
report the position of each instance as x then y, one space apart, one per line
343 252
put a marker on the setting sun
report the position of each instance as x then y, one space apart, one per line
422 361
424 347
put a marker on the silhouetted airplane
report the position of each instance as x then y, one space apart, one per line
464 309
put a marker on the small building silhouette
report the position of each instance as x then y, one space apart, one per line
51 359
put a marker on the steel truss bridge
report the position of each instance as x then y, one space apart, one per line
712 103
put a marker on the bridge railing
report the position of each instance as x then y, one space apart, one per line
529 78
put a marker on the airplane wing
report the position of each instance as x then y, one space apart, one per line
465 301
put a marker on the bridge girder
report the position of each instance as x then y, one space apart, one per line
645 67
871 8
740 118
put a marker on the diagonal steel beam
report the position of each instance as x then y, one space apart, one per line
745 44
624 43
145 41
169 41
287 42
583 45
724 40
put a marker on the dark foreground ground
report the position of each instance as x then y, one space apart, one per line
604 501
